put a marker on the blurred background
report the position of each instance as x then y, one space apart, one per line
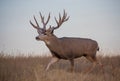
95 19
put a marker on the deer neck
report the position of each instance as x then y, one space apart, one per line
52 42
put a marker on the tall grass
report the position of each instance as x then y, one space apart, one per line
32 69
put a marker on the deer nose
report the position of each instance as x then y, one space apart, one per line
37 38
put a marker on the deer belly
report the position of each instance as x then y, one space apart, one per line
58 55
74 53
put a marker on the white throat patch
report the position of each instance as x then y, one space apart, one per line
48 42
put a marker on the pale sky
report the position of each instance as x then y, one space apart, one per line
95 19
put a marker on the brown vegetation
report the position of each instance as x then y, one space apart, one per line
32 69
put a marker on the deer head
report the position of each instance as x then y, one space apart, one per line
44 33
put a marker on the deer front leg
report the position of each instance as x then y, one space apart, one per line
53 60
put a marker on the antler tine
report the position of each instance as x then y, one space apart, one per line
65 18
33 24
42 20
36 23
48 19
56 20
61 20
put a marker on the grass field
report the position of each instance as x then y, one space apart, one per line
32 69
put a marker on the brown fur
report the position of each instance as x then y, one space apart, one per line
70 48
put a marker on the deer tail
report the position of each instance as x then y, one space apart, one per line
98 49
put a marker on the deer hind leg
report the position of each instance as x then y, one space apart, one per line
94 63
101 65
94 60
53 60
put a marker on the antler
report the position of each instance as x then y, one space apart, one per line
43 22
36 23
61 20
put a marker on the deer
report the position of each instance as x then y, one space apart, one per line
67 48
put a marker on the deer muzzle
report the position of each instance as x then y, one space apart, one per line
37 38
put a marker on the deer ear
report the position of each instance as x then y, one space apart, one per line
51 30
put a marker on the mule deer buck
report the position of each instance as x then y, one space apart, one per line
67 48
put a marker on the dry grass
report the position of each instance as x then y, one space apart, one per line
32 69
